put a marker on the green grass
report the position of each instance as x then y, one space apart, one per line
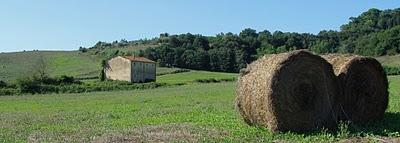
18 65
392 61
394 85
184 77
187 77
163 70
193 112
72 63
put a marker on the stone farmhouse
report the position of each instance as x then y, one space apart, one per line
130 68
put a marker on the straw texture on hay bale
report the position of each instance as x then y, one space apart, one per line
365 87
288 92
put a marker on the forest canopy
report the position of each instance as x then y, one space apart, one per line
373 33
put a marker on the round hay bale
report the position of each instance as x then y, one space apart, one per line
365 87
288 92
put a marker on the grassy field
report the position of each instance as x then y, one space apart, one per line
74 63
21 64
393 61
193 112
394 85
187 77
163 70
18 65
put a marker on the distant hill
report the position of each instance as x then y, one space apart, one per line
56 63
372 33
78 64
108 50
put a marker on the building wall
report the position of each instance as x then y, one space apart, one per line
150 72
118 69
143 72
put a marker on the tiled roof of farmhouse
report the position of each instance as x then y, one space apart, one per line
138 59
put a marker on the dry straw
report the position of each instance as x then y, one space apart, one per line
288 92
365 87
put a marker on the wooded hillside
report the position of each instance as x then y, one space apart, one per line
373 33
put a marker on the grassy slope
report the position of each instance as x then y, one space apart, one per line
161 70
194 112
393 61
17 65
186 77
74 63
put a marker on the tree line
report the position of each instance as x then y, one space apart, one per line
373 33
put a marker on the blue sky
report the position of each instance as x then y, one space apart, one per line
68 24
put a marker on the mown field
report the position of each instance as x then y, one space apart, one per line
14 66
192 112
21 64
393 61
74 63
192 76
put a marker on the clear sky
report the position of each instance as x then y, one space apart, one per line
68 24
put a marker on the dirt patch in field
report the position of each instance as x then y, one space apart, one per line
161 133
370 139
63 136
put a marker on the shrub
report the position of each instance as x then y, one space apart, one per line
66 84
174 72
213 80
8 91
207 80
83 49
86 78
391 70
67 80
44 84
29 85
3 84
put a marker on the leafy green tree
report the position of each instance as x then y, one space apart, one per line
264 37
201 42
278 39
203 59
189 59
250 43
222 59
240 61
3 84
373 33
321 46
282 49
266 49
